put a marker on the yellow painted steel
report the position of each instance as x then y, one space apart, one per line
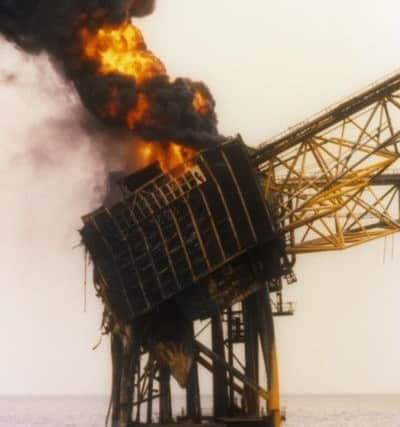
333 181
323 189
338 186
274 406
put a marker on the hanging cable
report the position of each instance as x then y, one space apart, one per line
85 282
98 344
393 236
384 249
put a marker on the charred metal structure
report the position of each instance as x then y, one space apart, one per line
182 246
214 239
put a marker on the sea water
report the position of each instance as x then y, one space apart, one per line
301 411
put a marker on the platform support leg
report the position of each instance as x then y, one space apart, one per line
130 353
165 395
193 401
251 354
150 392
268 346
220 386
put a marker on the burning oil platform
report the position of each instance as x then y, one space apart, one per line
216 237
200 227
180 246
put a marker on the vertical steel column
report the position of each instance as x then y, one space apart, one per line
251 353
220 386
165 395
267 337
150 391
193 403
130 352
230 360
139 396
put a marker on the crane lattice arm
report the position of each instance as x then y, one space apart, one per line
334 179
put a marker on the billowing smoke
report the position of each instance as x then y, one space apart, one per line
52 26
156 108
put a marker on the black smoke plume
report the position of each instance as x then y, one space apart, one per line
53 26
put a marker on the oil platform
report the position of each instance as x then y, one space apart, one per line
216 239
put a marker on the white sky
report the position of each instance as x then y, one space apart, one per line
268 66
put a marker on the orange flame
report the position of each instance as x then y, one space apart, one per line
200 103
138 114
113 106
123 51
170 156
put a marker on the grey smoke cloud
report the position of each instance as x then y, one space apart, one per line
55 27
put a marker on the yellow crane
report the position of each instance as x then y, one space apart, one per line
334 179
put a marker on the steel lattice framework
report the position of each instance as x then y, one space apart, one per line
203 244
333 178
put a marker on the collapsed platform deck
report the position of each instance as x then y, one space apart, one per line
179 246
207 222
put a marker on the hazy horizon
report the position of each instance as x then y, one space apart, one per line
183 395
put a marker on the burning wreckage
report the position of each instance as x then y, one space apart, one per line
189 237
179 246
201 227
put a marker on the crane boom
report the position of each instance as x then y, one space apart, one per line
385 87
334 179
